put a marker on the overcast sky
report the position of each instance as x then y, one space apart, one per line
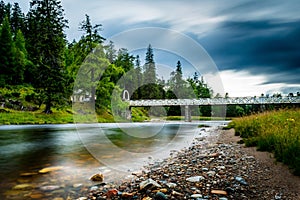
255 45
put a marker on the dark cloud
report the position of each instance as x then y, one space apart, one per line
268 47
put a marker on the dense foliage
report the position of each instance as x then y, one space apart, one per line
36 57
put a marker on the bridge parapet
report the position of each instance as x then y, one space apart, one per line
214 101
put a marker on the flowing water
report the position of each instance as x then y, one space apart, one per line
76 152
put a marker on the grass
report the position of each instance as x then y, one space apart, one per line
12 117
66 116
139 115
200 118
274 131
20 117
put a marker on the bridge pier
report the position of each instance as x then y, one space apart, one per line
187 114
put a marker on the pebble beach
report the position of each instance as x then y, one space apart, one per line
214 167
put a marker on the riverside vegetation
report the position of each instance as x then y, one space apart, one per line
274 131
39 75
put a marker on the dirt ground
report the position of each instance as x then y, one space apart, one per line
274 176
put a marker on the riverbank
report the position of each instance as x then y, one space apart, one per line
218 168
67 116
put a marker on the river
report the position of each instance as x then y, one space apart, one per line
76 152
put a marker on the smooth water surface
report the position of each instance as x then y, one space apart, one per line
81 151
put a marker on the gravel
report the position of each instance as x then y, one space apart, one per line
217 168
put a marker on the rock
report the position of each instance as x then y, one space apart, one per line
50 169
112 193
77 185
171 185
97 177
149 184
277 196
82 198
174 193
241 180
229 190
94 188
137 173
211 173
23 180
49 187
36 196
195 179
220 192
205 169
13 192
28 174
195 196
160 196
23 187
164 190
147 198
58 198
127 195
214 155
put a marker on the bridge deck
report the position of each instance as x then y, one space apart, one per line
215 101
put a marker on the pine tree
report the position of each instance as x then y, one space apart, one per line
91 35
17 20
6 54
46 41
139 77
150 69
2 11
20 57
89 42
91 72
110 52
177 85
150 89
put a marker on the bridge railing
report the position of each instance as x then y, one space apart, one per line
215 101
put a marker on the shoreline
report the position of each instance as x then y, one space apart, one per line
217 168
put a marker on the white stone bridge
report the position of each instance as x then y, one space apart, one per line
213 102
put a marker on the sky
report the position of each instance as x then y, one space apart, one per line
241 47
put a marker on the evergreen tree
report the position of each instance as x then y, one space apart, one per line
176 82
7 64
20 57
125 62
91 35
91 72
139 78
2 11
90 41
78 51
150 88
17 20
110 52
201 90
46 37
150 69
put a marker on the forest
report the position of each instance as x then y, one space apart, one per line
39 67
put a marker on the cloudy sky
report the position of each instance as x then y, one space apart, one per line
255 45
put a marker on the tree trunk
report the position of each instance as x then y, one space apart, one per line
48 107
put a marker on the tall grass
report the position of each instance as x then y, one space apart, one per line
275 131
